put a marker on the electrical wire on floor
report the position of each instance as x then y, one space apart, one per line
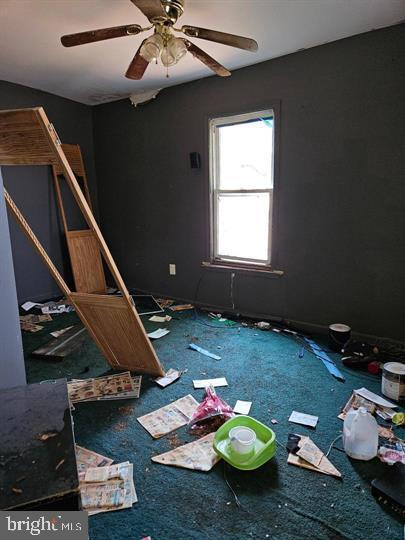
335 447
237 501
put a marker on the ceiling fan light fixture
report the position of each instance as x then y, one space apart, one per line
152 48
173 52
177 48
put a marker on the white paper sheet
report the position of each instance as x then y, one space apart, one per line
304 419
160 332
29 305
375 398
242 407
157 318
171 376
202 383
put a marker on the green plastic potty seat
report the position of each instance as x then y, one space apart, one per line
264 449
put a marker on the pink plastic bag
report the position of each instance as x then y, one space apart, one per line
210 414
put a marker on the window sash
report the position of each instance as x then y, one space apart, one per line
216 192
216 255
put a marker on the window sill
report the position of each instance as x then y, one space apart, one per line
243 268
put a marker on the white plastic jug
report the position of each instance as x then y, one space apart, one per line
360 434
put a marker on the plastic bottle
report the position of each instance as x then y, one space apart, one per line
360 434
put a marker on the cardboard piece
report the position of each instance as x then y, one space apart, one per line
315 455
198 455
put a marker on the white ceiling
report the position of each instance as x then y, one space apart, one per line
31 53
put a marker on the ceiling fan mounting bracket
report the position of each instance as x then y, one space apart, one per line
174 10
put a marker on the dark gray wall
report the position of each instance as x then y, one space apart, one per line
12 369
32 190
340 227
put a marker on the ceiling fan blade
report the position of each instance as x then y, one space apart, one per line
150 8
71 40
221 37
206 59
138 66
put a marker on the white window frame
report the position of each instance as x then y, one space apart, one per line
214 124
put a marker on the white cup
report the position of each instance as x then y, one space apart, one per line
242 439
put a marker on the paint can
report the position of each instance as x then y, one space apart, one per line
393 381
339 335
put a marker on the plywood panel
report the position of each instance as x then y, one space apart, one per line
86 261
28 138
23 140
74 157
118 332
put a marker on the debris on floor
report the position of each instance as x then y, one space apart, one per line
159 333
195 347
61 306
87 458
263 325
109 488
170 417
392 452
159 319
198 455
174 440
203 383
326 359
119 386
170 376
58 333
30 327
63 345
303 419
242 407
164 302
181 307
373 403
29 305
210 414
309 456
35 318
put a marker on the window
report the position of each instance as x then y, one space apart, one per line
241 167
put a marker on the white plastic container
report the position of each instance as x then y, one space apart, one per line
242 439
360 434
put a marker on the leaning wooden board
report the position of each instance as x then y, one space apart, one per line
60 347
28 138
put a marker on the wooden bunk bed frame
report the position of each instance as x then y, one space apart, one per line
84 251
28 138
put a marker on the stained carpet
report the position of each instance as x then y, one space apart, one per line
277 500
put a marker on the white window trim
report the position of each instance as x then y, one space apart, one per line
214 123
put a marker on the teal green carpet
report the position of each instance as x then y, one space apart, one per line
278 500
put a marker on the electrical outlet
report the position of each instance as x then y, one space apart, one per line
172 269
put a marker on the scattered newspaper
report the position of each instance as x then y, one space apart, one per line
118 386
166 419
198 455
86 459
105 489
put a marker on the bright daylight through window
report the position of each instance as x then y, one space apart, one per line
241 153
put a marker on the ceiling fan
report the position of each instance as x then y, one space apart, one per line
163 44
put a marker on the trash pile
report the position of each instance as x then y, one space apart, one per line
104 487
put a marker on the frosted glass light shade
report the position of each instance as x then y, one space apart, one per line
177 48
152 48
